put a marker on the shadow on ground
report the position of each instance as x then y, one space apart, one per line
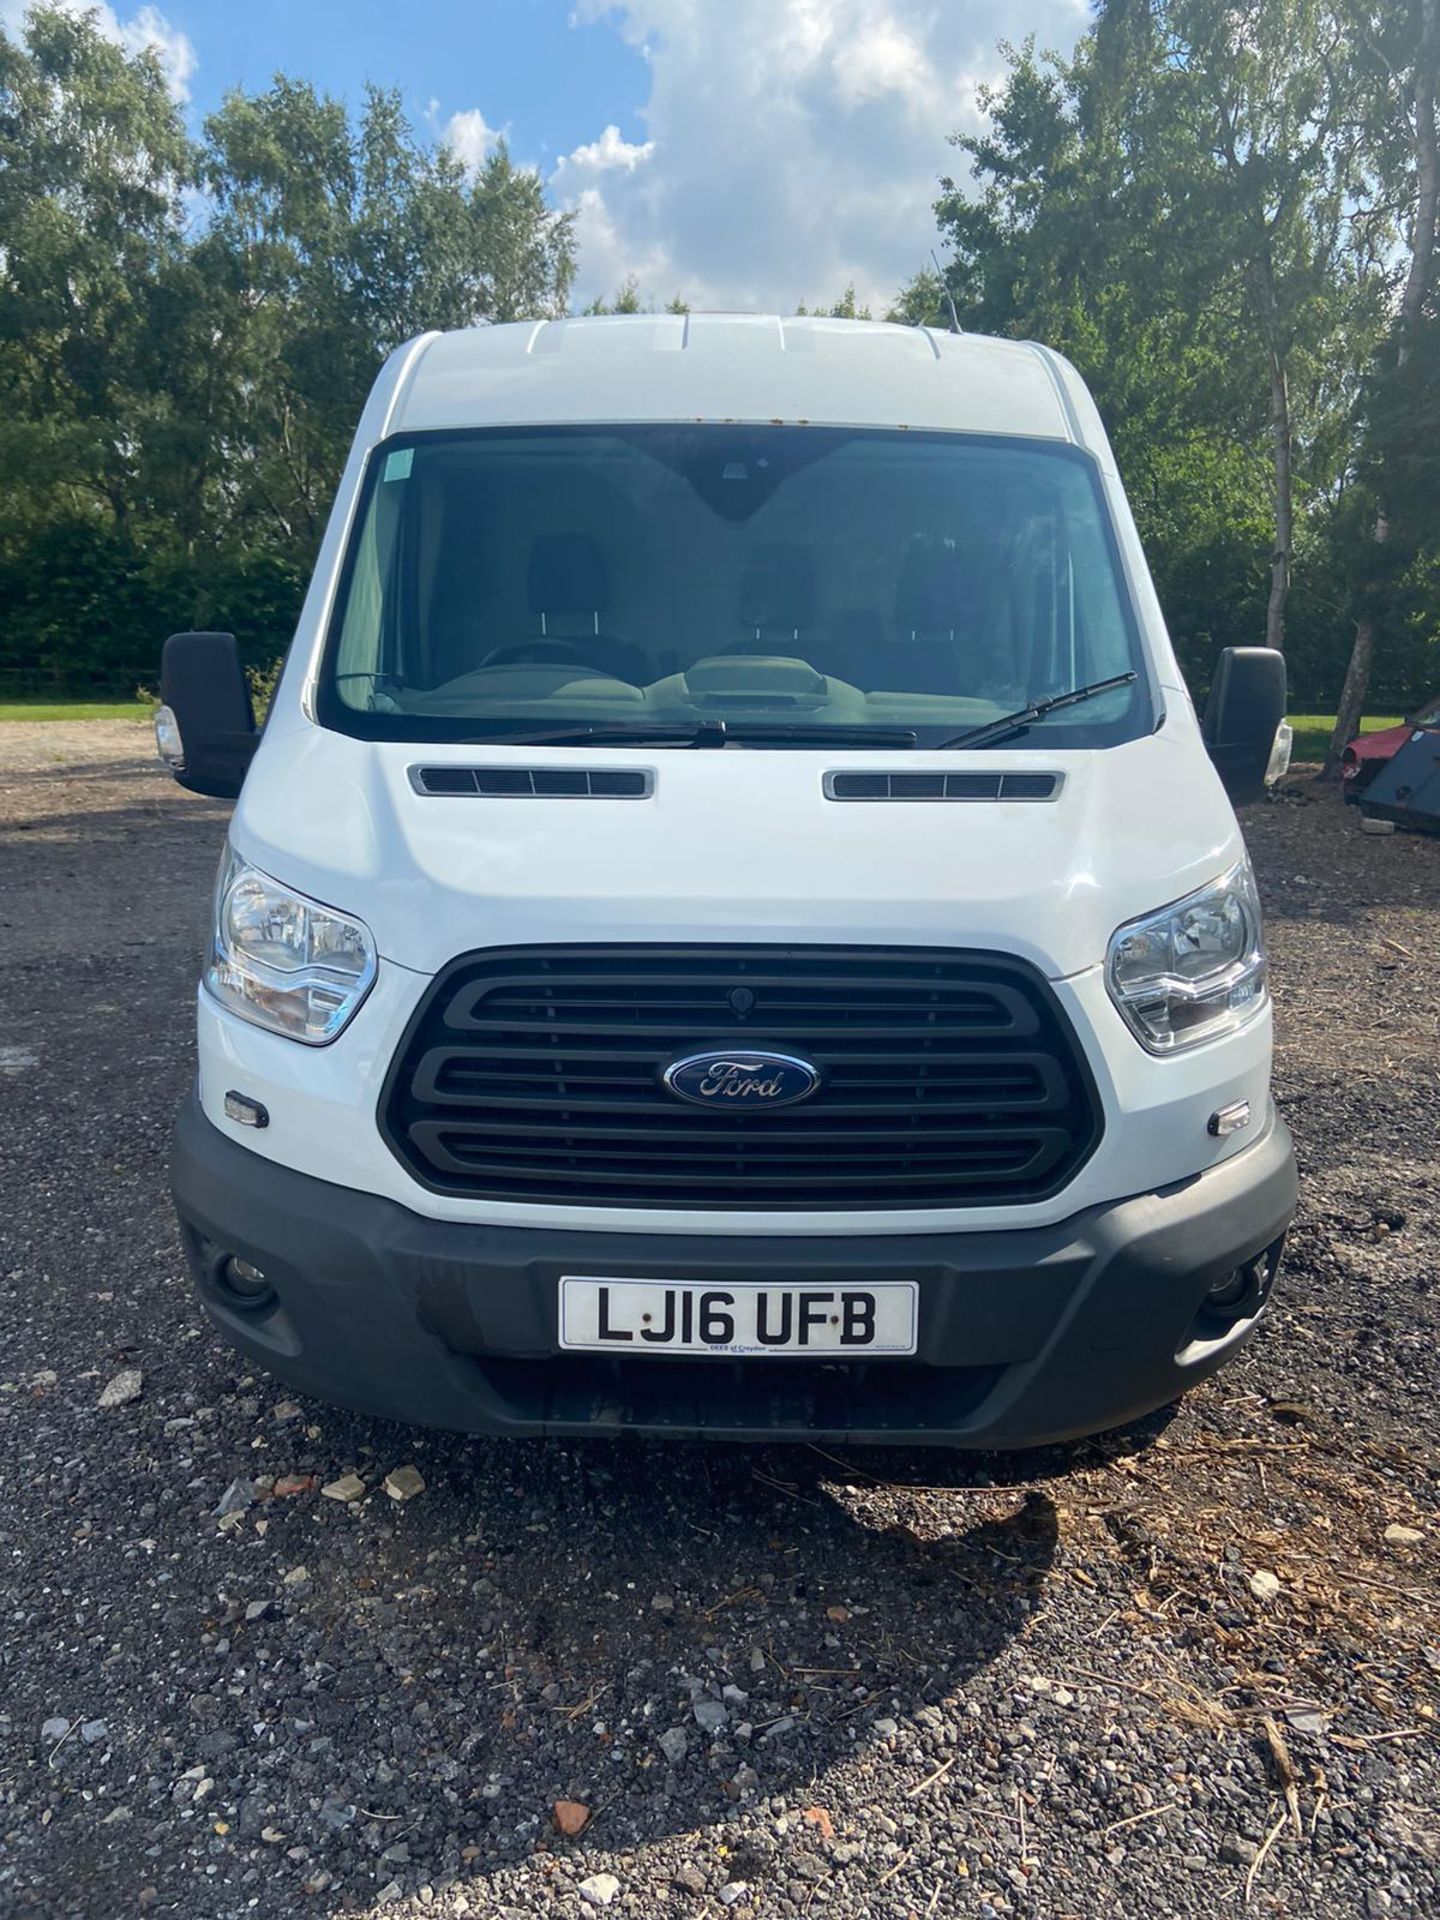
545 1620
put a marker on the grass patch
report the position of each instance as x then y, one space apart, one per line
75 709
1313 731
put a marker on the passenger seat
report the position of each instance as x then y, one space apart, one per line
568 586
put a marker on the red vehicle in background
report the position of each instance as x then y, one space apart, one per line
1368 752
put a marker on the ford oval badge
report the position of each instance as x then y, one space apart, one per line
736 1082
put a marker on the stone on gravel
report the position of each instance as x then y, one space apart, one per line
289 1484
674 1743
296 1577
55 1728
600 1889
1236 1851
1307 1720
712 1715
1398 1536
403 1483
349 1487
93 1731
124 1388
570 1817
239 1495
887 1729
1264 1584
732 1891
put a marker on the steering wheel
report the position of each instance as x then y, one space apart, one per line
563 652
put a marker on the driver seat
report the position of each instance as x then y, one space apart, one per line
568 588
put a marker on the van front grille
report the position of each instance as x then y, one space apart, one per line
946 1079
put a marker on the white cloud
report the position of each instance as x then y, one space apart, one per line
885 58
609 151
470 138
145 29
609 253
793 146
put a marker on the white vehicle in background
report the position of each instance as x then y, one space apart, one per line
732 925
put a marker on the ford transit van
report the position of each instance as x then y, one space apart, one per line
732 924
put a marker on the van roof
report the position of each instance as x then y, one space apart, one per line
727 367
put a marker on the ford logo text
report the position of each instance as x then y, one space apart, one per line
731 1081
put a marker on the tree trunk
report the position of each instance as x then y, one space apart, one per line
1284 510
1352 694
1422 249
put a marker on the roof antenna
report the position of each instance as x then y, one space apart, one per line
955 326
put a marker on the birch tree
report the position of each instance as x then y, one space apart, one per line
1403 46
1271 162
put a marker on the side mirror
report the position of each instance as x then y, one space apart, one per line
1243 715
206 725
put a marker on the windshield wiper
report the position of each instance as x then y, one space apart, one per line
1023 717
703 733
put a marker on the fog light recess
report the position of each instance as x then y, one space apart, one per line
1239 1295
244 1284
1228 1294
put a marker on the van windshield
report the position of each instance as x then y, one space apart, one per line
788 581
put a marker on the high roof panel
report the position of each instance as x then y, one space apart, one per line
732 367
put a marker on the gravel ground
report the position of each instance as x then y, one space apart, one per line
1164 1673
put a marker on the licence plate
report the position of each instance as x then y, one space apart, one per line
738 1317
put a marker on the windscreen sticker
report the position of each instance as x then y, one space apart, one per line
399 463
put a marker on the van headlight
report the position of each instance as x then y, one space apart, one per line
1193 970
284 962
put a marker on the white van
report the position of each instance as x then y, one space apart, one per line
732 925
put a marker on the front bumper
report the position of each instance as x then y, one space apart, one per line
1027 1336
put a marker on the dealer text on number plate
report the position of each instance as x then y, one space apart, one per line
737 1317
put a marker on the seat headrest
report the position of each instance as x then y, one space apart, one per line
567 574
777 589
930 593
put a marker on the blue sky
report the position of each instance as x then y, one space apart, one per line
743 153
520 61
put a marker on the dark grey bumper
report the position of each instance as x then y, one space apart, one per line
1026 1336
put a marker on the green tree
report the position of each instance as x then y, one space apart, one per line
93 158
1401 50
626 300
845 308
187 333
1051 246
1252 144
1172 207
350 238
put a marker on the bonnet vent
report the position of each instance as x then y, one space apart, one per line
535 783
942 786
